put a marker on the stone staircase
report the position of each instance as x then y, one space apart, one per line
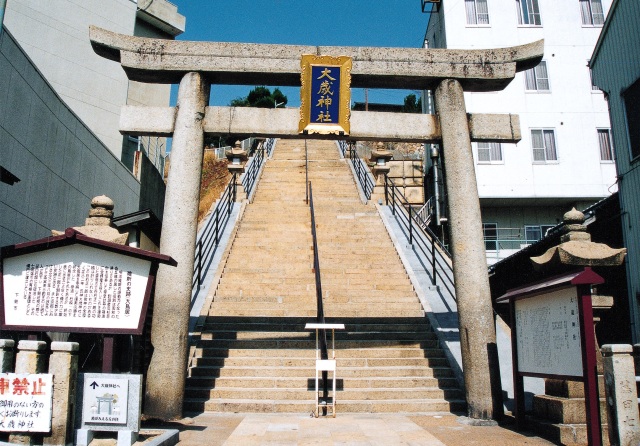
253 354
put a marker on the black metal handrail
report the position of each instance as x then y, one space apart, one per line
362 172
324 354
209 238
421 237
268 145
253 168
343 146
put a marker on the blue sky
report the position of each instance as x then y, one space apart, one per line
391 23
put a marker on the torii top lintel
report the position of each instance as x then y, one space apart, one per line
167 61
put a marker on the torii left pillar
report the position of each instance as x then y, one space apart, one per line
167 372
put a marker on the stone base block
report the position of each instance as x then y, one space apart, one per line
127 438
569 389
565 434
83 437
562 410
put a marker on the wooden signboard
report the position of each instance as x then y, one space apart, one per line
552 336
75 283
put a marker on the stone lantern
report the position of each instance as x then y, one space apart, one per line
237 158
99 224
380 156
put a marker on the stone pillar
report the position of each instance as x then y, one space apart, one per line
30 359
63 365
621 395
167 371
7 355
477 325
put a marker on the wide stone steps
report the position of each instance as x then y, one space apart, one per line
339 335
375 366
365 393
253 353
348 406
370 376
300 382
347 306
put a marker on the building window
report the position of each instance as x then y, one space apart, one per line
543 143
477 12
604 140
533 233
528 12
631 99
594 87
592 12
489 152
537 78
490 231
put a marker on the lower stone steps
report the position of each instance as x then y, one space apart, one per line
348 406
359 376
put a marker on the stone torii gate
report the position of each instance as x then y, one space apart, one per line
196 65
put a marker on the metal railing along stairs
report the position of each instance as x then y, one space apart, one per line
426 244
360 168
210 235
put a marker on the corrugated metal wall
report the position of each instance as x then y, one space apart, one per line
616 66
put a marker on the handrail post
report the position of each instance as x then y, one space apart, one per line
235 187
433 262
200 263
386 190
410 225
215 232
393 198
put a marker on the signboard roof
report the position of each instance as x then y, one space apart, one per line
584 276
71 236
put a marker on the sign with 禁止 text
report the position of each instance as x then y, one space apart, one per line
325 94
25 402
74 288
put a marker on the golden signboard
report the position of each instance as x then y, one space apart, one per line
325 94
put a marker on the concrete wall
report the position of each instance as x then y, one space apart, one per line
62 165
615 68
55 35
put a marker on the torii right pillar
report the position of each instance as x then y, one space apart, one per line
475 312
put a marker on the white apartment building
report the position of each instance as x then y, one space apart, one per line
55 36
565 158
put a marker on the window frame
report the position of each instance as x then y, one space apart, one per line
588 16
540 229
490 238
521 13
492 148
476 14
537 78
607 131
543 131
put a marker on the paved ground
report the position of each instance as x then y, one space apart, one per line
344 430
